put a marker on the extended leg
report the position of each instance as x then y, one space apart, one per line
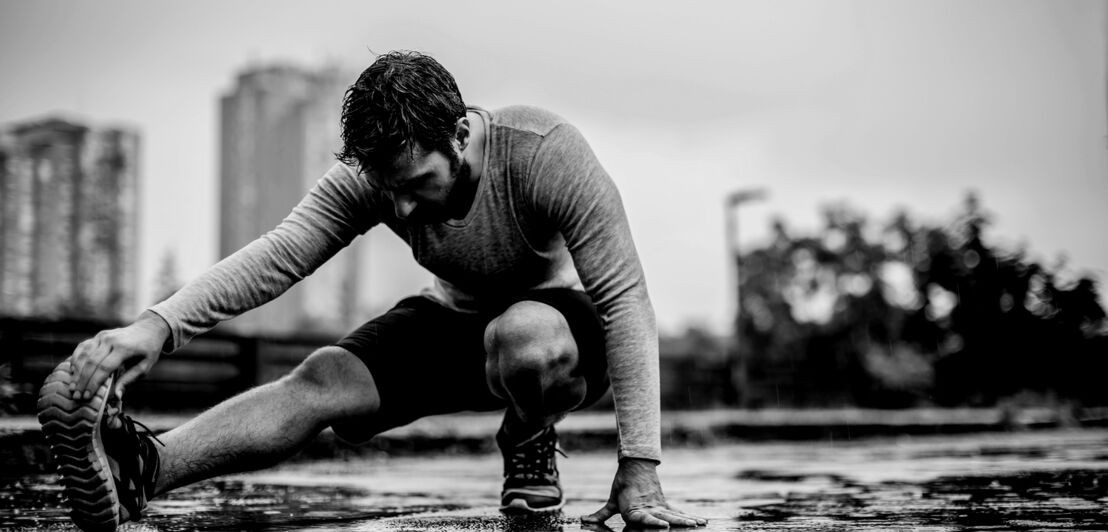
109 468
270 423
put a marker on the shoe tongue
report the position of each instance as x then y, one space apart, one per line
533 437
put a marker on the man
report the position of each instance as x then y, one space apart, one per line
539 302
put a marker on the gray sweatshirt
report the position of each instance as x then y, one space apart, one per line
545 215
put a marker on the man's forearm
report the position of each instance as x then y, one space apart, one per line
633 371
246 280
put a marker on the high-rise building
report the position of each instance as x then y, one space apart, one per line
68 220
279 133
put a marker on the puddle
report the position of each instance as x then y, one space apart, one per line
1063 500
35 502
776 476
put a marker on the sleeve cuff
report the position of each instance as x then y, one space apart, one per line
642 452
173 342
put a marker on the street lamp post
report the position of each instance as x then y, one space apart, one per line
731 233
731 206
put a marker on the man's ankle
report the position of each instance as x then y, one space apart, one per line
514 428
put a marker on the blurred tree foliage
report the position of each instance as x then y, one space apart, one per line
908 314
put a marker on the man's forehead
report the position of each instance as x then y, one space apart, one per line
405 165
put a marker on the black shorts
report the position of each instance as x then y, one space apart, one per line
427 359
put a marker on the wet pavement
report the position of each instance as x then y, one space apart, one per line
1052 480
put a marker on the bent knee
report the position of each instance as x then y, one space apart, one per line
338 376
530 337
524 323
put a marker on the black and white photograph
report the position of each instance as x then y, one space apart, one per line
758 265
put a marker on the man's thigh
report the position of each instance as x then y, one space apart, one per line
425 359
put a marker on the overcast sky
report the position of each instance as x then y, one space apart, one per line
881 103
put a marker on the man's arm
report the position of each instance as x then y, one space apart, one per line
568 187
333 213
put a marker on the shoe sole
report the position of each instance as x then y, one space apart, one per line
520 507
72 430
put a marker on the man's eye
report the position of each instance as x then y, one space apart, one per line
409 187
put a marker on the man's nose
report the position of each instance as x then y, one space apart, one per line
404 207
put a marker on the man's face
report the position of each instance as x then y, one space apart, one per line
424 187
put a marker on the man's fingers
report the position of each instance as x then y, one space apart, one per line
87 359
95 380
645 517
675 517
95 371
76 362
601 515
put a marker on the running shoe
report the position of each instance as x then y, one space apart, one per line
107 466
531 473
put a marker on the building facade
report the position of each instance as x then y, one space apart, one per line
279 132
68 220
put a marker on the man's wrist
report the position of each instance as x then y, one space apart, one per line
155 322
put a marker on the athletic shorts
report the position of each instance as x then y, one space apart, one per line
427 359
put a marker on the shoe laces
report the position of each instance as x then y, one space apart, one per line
129 423
136 461
534 459
116 419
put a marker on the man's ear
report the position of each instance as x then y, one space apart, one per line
462 132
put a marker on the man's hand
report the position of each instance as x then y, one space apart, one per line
135 347
637 497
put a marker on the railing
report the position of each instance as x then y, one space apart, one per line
209 369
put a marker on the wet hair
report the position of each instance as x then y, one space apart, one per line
402 100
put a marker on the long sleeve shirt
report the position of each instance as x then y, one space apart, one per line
545 215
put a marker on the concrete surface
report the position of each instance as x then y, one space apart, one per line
1055 479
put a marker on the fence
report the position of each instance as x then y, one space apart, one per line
209 369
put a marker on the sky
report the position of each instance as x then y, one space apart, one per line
884 104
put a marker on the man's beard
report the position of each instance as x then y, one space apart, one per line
462 189
458 199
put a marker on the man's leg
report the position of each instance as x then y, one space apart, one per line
110 469
270 423
531 357
534 363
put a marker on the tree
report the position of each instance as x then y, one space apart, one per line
823 321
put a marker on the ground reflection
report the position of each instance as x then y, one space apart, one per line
1023 481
